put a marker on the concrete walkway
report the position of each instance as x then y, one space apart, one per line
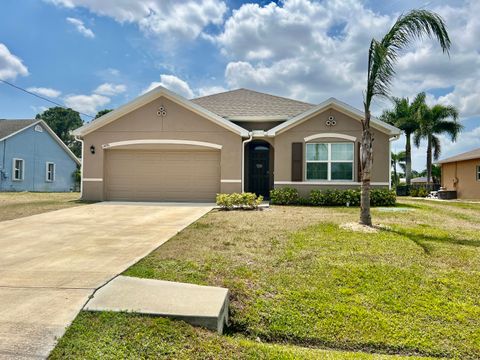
51 263
205 306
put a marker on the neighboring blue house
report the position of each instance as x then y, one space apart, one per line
33 158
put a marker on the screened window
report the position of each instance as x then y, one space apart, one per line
18 169
50 172
478 173
329 161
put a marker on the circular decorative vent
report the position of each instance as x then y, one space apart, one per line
162 111
331 121
38 128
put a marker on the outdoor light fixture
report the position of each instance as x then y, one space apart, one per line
92 149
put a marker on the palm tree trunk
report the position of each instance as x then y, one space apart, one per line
408 159
395 176
429 159
366 168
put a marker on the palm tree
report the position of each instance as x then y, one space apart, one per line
397 159
434 121
405 116
382 55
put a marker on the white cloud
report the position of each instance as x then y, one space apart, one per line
10 65
173 83
48 92
184 18
209 90
109 89
80 27
88 104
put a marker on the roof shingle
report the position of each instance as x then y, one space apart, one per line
241 103
469 155
8 127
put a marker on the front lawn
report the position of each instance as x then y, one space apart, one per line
297 278
20 204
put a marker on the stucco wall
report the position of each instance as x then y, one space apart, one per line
316 125
144 123
467 186
35 148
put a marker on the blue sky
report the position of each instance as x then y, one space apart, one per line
91 55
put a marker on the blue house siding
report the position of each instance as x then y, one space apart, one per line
36 149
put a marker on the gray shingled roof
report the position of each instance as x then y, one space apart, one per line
469 155
8 127
243 102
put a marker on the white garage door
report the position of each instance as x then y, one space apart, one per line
136 175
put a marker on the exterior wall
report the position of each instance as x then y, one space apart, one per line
36 149
344 125
144 123
467 186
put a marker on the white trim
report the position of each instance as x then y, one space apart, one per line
231 180
162 142
327 183
244 142
390 165
92 179
149 97
330 135
257 118
338 105
13 169
53 172
51 132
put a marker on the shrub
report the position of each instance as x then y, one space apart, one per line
350 197
383 197
284 196
419 191
238 201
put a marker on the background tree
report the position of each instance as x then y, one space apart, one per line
382 56
62 121
405 116
102 112
436 173
434 121
397 159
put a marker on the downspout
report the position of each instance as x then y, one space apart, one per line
393 138
80 140
250 138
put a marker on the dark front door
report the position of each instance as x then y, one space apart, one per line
259 168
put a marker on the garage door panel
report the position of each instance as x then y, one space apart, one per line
162 175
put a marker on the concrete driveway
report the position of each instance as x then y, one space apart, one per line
51 263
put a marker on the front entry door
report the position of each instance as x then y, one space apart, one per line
259 168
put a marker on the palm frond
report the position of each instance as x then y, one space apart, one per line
382 55
436 147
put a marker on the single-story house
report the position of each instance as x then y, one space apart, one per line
33 158
163 147
461 173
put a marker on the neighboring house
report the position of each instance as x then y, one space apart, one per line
163 147
461 173
33 158
422 180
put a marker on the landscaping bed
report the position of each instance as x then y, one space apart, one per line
298 279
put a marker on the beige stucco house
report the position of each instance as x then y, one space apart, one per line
163 147
461 173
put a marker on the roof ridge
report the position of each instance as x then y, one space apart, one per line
257 92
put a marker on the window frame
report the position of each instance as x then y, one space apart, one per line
329 161
14 168
47 164
478 172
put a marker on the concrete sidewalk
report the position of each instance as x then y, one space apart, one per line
204 306
52 262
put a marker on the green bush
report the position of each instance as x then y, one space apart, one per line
238 201
284 196
383 197
348 197
419 191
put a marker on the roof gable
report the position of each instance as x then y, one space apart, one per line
244 104
9 128
149 97
339 106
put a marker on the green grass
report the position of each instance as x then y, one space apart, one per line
15 205
296 277
127 336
